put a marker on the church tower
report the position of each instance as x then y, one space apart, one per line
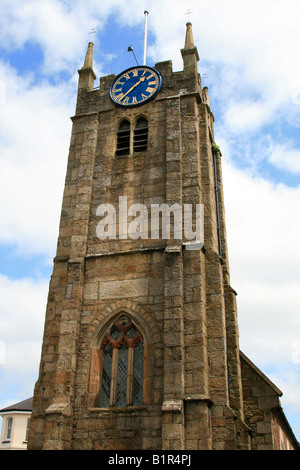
140 347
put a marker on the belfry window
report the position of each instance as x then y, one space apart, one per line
132 140
123 138
122 352
140 138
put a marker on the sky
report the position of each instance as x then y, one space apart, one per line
249 62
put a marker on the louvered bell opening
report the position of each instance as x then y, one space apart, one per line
123 139
140 140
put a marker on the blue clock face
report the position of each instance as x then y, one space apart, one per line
135 86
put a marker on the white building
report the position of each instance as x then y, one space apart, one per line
15 425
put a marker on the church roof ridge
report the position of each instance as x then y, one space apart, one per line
261 374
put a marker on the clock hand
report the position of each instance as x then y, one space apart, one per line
135 85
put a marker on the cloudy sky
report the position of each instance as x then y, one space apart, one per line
249 61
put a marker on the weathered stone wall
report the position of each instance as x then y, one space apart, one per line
180 299
281 438
130 283
260 396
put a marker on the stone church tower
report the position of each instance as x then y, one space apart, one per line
140 347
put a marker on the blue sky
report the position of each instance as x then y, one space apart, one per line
248 59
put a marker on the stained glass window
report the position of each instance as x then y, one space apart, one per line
138 364
106 375
122 370
122 376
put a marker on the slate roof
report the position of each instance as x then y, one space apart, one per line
25 405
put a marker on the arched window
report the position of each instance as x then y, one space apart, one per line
140 139
121 365
9 423
123 138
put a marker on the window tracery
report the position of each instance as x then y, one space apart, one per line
122 352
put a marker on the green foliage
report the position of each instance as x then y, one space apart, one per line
216 148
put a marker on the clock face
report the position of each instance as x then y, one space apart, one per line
135 86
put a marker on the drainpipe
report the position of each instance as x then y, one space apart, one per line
217 200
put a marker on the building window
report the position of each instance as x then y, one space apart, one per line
9 423
128 141
123 138
27 429
140 138
122 358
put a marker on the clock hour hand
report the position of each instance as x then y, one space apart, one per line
134 86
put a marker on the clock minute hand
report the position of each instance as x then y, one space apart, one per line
135 85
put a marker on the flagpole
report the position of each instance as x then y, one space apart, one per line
146 13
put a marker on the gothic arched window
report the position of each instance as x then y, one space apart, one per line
140 138
121 365
123 138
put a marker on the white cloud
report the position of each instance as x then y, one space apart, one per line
51 24
60 28
248 115
284 156
22 314
262 225
34 132
262 230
